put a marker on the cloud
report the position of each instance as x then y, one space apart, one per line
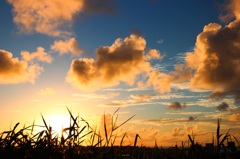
216 59
47 91
178 132
39 55
149 99
142 97
234 117
223 107
162 81
69 46
176 106
115 104
231 11
13 70
195 130
120 62
55 17
191 118
213 65
153 54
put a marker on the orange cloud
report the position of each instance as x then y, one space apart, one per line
122 61
68 46
234 117
13 70
231 9
40 55
162 81
55 17
178 132
153 54
214 62
216 59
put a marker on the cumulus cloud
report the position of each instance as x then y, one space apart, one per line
153 54
217 50
213 65
223 107
122 61
216 57
69 46
231 11
162 82
13 70
234 117
55 17
176 106
39 55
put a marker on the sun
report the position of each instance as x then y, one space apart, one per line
59 122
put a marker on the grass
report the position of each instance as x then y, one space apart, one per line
78 140
81 141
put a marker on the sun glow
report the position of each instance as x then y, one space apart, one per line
59 122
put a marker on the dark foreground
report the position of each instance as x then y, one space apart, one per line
114 152
23 143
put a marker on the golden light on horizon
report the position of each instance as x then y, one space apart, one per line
57 122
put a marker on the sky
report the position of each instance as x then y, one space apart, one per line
172 64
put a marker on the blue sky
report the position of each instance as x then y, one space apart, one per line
158 59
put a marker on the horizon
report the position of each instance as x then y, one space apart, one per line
174 65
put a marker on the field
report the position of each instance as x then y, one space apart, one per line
81 141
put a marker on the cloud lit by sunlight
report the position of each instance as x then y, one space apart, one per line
213 64
39 55
122 61
55 17
13 70
69 46
234 117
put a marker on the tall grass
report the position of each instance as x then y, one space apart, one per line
79 140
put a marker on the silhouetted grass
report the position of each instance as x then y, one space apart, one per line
80 141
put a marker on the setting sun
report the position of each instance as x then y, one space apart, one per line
59 122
